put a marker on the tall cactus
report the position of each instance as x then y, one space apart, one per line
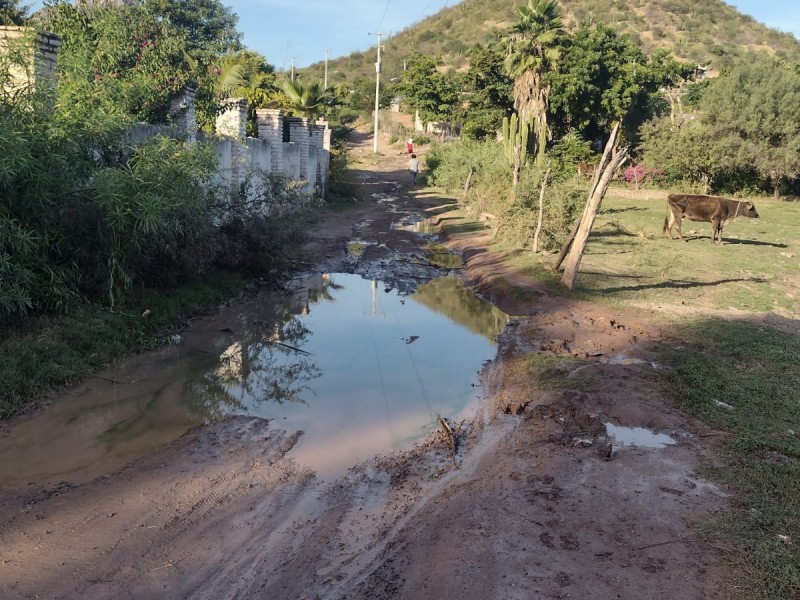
515 142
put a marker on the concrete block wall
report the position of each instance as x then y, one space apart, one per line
270 130
299 134
182 113
37 56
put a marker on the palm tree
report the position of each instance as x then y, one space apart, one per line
307 100
532 52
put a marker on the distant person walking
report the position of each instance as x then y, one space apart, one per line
413 168
410 146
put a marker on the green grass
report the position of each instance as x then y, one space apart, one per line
49 352
627 261
754 369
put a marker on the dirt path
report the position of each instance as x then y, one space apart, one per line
537 502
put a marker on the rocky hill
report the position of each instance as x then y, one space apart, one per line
707 33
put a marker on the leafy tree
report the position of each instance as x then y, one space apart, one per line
432 93
489 91
670 75
756 110
602 77
532 52
690 152
116 59
207 26
748 121
12 12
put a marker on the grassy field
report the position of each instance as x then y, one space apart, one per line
717 304
629 263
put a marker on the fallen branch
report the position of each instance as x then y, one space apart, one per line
667 542
169 564
451 434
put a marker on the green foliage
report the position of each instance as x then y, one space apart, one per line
307 100
489 93
154 213
746 133
122 59
490 191
12 12
208 26
563 202
755 111
432 93
515 135
754 370
603 77
568 152
534 42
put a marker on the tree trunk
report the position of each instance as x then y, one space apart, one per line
776 185
617 157
595 179
671 99
540 219
467 184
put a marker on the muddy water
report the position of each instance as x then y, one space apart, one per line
638 436
360 368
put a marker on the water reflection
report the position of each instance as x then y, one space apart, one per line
333 360
266 366
356 386
449 296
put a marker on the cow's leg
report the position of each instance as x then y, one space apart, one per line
716 231
669 223
678 222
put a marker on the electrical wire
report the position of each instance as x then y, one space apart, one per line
385 10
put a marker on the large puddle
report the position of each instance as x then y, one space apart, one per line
360 368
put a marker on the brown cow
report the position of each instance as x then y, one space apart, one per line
709 209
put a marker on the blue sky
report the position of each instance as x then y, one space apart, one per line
342 26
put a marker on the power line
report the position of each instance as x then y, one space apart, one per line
385 10
424 10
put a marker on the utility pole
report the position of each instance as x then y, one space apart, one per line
325 84
377 95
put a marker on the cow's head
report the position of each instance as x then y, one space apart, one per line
750 210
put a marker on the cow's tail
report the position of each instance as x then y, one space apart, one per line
668 223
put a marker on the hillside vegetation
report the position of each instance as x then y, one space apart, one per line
709 33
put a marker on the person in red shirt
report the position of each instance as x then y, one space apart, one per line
410 146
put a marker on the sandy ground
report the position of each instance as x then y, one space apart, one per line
534 501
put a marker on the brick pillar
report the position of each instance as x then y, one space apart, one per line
232 122
326 154
182 112
270 129
317 140
47 45
299 134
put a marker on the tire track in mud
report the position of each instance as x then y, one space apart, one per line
148 539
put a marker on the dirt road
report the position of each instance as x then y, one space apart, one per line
535 502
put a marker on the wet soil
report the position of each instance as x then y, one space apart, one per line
532 498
